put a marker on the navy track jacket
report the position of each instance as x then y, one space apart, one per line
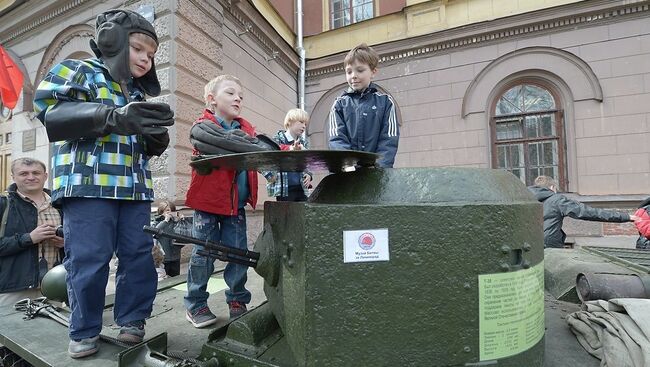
365 121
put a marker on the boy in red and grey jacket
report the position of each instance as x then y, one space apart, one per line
218 200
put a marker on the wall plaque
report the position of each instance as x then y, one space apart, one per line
29 140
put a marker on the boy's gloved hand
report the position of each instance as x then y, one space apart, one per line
155 144
237 134
76 120
147 118
208 138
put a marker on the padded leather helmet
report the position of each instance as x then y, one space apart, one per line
53 285
111 44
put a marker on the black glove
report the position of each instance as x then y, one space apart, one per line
156 144
208 138
267 143
237 134
75 120
208 149
145 118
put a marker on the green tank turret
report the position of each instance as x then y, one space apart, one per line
396 267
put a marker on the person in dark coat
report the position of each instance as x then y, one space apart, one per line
29 246
558 206
166 218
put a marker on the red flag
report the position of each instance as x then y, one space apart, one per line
11 80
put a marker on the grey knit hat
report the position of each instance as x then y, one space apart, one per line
111 44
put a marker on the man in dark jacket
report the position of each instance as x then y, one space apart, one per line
29 245
558 206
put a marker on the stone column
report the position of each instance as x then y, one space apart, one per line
189 55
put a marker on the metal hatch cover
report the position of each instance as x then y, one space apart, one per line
286 161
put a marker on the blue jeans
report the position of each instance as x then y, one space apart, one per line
94 229
231 231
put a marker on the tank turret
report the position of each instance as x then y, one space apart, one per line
398 267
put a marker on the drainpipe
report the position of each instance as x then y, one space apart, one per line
301 54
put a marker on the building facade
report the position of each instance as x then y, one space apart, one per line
555 87
198 41
540 87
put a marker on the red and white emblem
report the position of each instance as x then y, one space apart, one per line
367 241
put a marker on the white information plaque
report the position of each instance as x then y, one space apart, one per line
365 245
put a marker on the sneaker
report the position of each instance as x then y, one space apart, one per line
236 308
83 347
133 332
201 317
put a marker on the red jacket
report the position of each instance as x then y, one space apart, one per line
643 225
217 192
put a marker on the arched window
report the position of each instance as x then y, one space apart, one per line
527 132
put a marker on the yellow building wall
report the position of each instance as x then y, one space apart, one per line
268 12
418 17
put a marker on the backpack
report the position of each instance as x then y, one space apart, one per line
4 202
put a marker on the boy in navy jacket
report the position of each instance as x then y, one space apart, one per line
363 118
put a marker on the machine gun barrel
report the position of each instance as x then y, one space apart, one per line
215 250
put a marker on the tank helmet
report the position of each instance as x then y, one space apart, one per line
53 285
111 44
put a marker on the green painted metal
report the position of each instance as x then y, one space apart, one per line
632 258
605 286
562 266
53 285
446 227
244 340
143 354
44 342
